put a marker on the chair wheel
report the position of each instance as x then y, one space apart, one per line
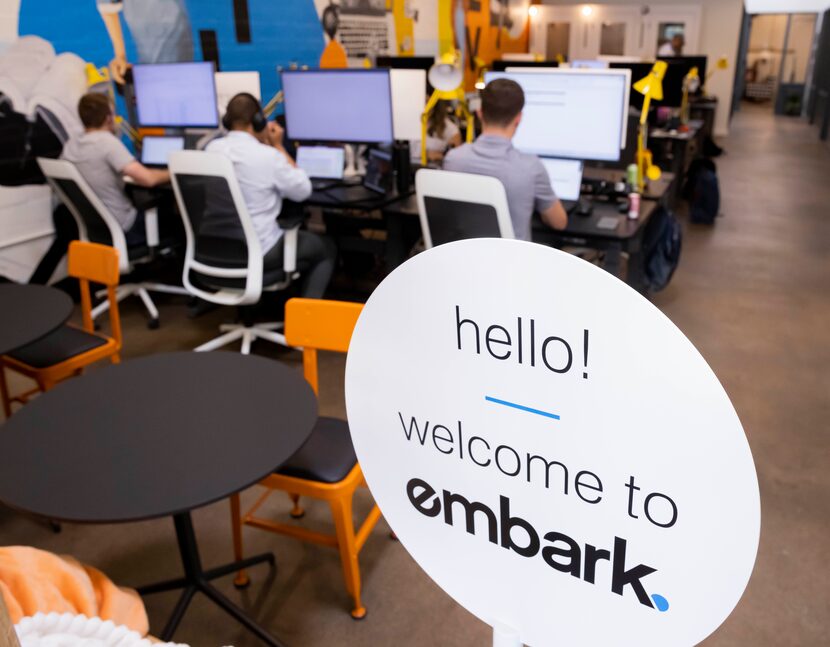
359 614
241 582
153 324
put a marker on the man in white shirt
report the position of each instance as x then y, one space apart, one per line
267 174
673 47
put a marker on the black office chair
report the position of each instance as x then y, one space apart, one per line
456 206
97 225
223 260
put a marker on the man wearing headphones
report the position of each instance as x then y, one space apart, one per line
267 174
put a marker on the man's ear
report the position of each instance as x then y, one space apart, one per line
479 115
517 120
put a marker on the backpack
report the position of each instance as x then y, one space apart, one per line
703 192
662 243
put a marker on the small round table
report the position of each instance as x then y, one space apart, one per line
158 436
29 313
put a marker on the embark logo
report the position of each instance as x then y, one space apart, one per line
562 553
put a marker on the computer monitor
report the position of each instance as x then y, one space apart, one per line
176 95
322 162
638 71
589 64
155 150
679 67
406 62
229 84
408 102
576 114
565 177
501 66
338 105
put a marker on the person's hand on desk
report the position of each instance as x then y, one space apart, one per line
146 177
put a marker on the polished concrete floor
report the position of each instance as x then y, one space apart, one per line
752 293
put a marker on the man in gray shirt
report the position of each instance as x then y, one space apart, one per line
103 161
525 179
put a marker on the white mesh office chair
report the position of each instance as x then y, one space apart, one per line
223 259
97 225
456 206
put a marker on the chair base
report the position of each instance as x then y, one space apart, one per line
141 290
247 334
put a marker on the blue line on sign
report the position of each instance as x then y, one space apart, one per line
521 407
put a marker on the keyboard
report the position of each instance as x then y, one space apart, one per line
362 36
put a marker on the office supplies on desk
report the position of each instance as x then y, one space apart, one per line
176 95
155 149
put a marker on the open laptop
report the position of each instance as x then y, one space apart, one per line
323 164
378 181
566 179
156 149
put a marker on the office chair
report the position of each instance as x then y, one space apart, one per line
66 351
97 225
223 258
456 206
326 466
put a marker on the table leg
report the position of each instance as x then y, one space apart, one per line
197 579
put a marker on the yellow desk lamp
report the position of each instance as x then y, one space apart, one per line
722 64
98 80
651 87
691 84
447 78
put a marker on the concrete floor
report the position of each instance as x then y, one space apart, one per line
753 294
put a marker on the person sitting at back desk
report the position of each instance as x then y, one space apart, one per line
103 161
267 174
525 179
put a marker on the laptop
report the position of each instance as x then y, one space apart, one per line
321 163
378 181
155 149
566 179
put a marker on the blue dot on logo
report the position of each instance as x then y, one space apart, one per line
660 602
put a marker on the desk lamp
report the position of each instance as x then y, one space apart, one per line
447 78
691 84
98 80
651 87
722 64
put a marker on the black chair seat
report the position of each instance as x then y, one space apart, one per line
230 253
64 343
327 456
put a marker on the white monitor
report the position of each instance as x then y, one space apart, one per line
589 64
229 84
353 106
578 114
155 149
323 162
176 95
408 102
565 177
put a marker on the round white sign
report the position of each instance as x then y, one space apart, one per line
551 449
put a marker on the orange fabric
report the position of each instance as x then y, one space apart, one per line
33 580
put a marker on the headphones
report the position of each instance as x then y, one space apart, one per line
258 122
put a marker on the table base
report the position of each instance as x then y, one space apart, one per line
196 579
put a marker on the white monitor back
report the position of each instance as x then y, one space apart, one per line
408 102
229 84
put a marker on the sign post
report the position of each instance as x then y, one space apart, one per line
551 449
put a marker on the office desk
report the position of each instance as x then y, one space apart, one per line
154 437
582 231
661 190
674 150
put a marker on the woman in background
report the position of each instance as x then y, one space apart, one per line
442 132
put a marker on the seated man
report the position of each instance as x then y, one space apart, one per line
267 174
525 180
103 161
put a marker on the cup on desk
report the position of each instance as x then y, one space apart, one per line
633 206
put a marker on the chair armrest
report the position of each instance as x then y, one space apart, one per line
292 214
289 263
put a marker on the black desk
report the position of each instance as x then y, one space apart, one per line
30 312
153 437
674 150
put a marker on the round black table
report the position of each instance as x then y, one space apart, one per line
154 437
30 312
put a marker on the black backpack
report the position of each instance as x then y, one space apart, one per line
703 192
662 243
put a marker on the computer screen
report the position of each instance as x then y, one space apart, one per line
380 173
324 162
565 177
578 114
229 84
638 71
589 64
406 62
155 150
679 67
501 66
338 105
176 95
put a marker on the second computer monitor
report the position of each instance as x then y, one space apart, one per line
577 114
502 65
176 95
352 106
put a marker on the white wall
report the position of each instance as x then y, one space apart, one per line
786 6
719 34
